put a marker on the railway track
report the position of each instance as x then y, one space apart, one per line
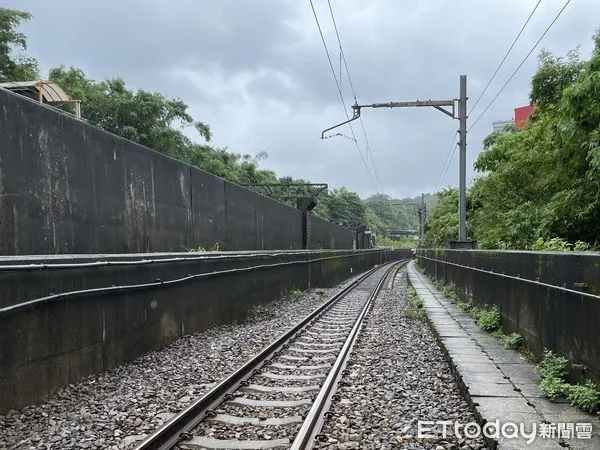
279 398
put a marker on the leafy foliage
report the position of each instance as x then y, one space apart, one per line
552 365
489 319
554 75
512 340
297 294
585 396
442 223
342 207
147 118
15 67
385 241
553 387
553 370
414 306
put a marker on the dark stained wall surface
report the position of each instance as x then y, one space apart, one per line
323 235
67 187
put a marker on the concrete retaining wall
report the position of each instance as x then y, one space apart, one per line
324 235
67 187
52 340
550 298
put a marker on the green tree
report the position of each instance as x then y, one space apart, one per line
442 223
553 76
15 67
342 207
148 118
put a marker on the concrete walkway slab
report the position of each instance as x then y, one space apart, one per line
501 385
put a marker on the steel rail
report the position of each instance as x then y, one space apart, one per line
316 416
179 426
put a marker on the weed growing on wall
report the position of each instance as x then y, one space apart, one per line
585 396
553 370
513 341
489 319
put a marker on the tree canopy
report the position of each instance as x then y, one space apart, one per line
14 65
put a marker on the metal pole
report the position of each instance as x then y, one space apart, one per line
462 185
423 219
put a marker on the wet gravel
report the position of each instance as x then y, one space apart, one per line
397 375
120 407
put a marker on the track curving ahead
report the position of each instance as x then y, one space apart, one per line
278 399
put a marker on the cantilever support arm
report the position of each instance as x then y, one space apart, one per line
437 104
355 115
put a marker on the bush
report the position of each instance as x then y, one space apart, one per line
585 396
553 369
489 319
553 387
512 341
552 365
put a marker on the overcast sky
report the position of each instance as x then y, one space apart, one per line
257 73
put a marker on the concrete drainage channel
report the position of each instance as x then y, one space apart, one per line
275 389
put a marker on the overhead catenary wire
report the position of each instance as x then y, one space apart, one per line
343 59
504 58
446 166
449 164
340 93
519 66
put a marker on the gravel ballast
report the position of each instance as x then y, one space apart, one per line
286 420
396 376
117 409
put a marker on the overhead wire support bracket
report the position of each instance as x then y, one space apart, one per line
355 115
461 103
437 104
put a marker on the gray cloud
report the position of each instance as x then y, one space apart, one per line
256 71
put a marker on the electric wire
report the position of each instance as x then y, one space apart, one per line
343 58
447 163
519 66
504 58
340 93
